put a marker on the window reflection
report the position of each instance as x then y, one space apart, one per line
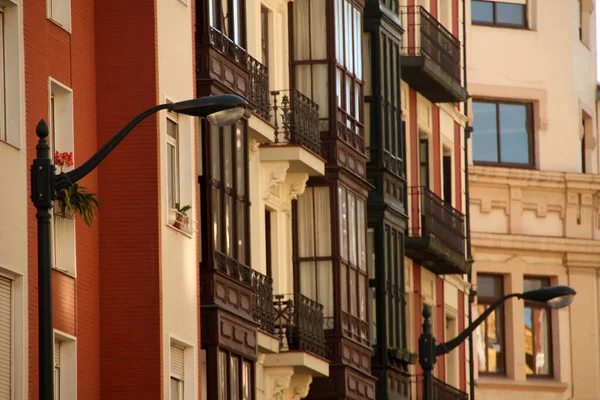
490 348
538 348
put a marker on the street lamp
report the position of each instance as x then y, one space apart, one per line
221 110
554 296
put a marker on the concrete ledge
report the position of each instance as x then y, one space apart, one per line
538 385
302 361
300 158
267 343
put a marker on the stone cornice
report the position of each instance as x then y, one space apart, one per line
536 243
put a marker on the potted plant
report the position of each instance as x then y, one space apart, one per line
181 218
394 354
74 199
413 358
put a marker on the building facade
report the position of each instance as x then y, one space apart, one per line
534 189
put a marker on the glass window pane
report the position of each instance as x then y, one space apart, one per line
371 253
216 209
529 354
362 252
172 128
326 291
494 342
485 136
482 11
223 381
322 221
216 152
240 160
348 34
247 381
514 133
535 283
172 175
343 222
352 285
362 304
308 279
489 286
344 284
357 44
175 395
512 14
482 347
352 228
541 340
306 244
228 225
227 155
241 232
234 371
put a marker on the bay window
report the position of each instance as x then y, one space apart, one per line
353 264
315 261
229 191
235 377
227 16
349 74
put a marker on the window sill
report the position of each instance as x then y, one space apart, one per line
183 232
61 26
533 384
64 271
516 27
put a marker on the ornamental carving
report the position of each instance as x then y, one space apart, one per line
276 177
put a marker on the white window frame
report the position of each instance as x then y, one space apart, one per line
189 370
66 388
61 138
59 12
173 143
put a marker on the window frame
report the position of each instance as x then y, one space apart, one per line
173 142
239 202
486 300
524 26
215 10
228 357
546 281
531 110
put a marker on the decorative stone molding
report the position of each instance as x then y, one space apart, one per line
297 187
300 386
275 178
278 382
253 146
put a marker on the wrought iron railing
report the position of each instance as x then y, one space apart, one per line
233 268
426 36
263 311
299 324
438 219
296 119
258 91
443 391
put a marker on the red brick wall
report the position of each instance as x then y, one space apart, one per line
462 354
436 161
440 331
458 172
69 58
130 293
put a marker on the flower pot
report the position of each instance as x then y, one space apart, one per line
413 359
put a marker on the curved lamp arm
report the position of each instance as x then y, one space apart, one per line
445 348
67 179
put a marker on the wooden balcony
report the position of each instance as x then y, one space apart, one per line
436 234
299 324
431 57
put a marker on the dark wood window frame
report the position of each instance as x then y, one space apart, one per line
217 20
424 163
394 294
391 104
494 4
499 313
533 305
349 103
225 374
530 137
230 187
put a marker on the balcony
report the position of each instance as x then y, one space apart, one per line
297 136
437 238
299 324
443 391
257 89
431 57
232 268
263 310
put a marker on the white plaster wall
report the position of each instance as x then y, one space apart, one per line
178 251
550 59
14 174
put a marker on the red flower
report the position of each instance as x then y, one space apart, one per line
64 158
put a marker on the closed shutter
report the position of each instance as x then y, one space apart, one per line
64 243
177 362
5 337
56 353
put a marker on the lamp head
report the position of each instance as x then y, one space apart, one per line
554 296
220 110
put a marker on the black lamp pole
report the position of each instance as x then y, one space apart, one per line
555 296
220 110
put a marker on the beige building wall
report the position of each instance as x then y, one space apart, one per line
180 265
14 175
543 220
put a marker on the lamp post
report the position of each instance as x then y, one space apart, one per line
554 296
220 110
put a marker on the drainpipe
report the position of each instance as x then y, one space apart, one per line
468 131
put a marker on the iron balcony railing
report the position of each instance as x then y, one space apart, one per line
233 268
438 219
299 324
296 119
426 36
443 391
258 92
263 310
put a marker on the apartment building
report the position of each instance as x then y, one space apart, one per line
534 194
